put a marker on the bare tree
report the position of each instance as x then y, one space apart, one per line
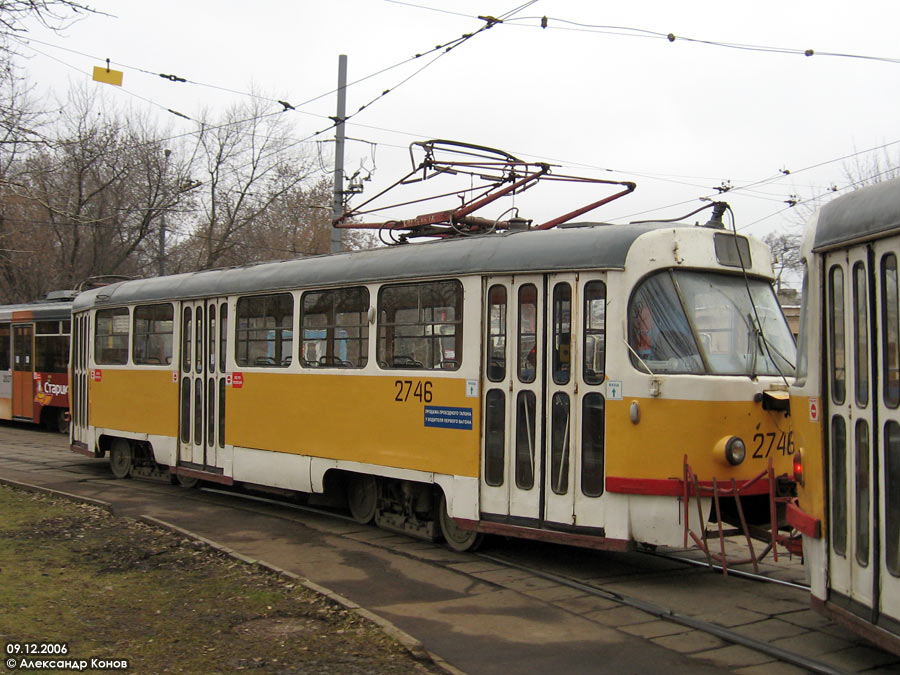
871 169
248 166
298 224
786 259
16 111
90 203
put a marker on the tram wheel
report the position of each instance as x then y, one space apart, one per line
183 481
120 458
187 481
362 498
57 420
457 538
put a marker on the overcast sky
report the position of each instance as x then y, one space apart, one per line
678 118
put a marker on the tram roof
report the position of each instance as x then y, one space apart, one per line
40 310
859 215
575 246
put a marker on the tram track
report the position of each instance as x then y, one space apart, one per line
665 614
653 609
234 497
731 571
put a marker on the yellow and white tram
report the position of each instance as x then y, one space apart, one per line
549 384
846 412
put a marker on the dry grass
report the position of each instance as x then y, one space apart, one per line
116 588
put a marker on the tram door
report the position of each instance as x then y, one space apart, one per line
23 371
202 385
560 398
850 425
513 400
78 385
886 262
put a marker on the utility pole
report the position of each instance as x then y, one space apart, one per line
338 204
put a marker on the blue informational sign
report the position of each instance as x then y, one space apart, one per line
448 418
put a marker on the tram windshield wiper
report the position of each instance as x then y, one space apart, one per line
753 340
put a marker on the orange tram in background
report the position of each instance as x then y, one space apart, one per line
34 358
846 412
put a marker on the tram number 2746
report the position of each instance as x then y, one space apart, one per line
417 389
765 444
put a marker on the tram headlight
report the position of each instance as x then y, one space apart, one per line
731 450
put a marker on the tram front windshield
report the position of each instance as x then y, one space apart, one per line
709 323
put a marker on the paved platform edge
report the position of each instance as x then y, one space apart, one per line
411 644
58 493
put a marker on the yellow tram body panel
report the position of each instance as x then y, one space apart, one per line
653 449
136 400
808 439
389 421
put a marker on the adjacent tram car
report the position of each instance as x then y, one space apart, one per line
846 412
34 358
573 384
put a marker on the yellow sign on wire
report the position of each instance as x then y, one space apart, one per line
104 74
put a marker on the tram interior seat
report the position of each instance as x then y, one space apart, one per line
405 361
333 362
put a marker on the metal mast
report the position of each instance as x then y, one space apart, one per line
338 203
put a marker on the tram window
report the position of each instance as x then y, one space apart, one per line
222 412
860 335
22 348
186 324
223 335
890 327
264 335
594 332
525 435
496 334
198 412
185 410
526 332
51 347
862 492
211 412
420 325
111 336
334 326
836 334
592 444
154 326
732 251
803 337
46 327
494 437
51 353
198 340
559 443
658 330
212 336
5 346
562 333
892 497
839 485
